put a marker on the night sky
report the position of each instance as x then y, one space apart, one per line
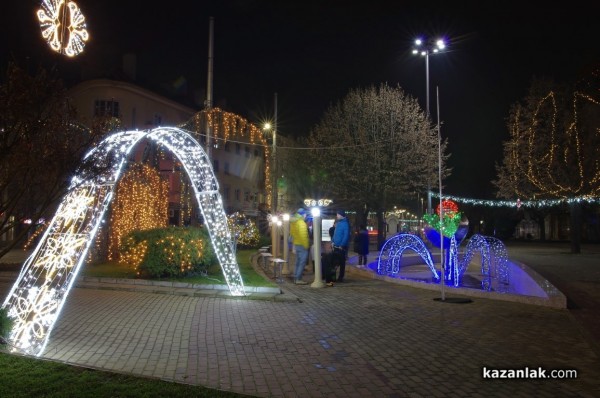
312 53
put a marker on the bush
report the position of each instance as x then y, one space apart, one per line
6 323
168 252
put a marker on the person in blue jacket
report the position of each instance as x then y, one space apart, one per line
340 240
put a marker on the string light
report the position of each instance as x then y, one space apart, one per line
557 170
244 229
141 202
39 293
225 126
541 203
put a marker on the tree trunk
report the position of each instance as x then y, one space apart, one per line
541 220
575 227
380 229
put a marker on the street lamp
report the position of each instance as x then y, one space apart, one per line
286 234
316 213
316 205
274 235
273 128
425 49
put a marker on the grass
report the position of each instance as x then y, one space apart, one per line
214 274
31 377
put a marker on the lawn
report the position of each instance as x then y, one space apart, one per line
32 377
214 275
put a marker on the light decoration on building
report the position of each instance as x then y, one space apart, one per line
63 26
227 126
39 293
141 202
518 203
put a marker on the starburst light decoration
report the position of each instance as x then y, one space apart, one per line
38 295
63 26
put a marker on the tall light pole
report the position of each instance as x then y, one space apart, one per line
274 179
425 48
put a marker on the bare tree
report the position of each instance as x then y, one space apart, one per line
554 147
373 149
41 146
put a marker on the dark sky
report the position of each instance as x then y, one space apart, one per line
312 52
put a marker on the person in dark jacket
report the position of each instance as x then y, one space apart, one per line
361 244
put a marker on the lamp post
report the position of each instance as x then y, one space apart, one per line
316 213
425 49
316 205
286 248
274 235
273 129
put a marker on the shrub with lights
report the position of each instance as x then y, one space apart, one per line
244 230
167 252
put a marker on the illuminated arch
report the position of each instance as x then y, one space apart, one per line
390 257
37 297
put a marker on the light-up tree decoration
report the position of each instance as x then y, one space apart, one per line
552 152
38 295
244 229
63 26
141 202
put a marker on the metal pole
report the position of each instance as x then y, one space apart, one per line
442 257
209 84
429 211
318 282
274 179
286 249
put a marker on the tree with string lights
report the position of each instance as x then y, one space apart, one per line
41 146
372 149
554 147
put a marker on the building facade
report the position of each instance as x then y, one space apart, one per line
237 149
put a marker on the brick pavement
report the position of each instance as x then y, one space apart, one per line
364 338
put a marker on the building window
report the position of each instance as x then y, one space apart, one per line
106 108
247 149
226 168
216 165
256 152
227 147
226 192
237 195
247 196
157 119
238 148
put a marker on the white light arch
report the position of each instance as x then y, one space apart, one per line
37 297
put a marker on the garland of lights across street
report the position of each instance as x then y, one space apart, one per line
38 295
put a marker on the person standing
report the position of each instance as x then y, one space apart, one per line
361 244
299 234
340 240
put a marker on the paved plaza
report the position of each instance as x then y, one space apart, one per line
362 338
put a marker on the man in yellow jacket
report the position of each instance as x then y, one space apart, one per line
299 234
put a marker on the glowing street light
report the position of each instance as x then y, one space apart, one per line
424 49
